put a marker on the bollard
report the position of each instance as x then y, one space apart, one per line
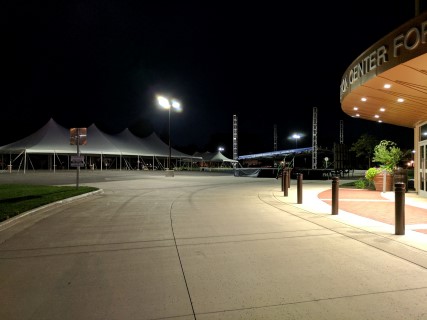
335 189
299 188
285 182
399 208
283 179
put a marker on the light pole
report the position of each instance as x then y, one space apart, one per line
169 104
296 136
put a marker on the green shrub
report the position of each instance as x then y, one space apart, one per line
361 184
371 173
388 154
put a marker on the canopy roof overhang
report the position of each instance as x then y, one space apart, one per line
276 154
400 60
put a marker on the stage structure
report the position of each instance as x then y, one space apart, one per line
314 154
275 138
235 138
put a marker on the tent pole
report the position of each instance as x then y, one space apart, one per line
25 160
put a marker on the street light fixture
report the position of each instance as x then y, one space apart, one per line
169 104
296 136
220 149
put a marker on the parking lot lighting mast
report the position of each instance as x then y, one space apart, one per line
296 136
169 104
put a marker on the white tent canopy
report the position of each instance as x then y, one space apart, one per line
52 138
216 157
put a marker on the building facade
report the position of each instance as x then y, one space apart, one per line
388 83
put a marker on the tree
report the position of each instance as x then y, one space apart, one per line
364 147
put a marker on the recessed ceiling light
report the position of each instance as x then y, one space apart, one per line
376 116
387 86
400 100
363 99
382 109
355 108
380 121
357 115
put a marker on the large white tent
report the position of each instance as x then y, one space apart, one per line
54 140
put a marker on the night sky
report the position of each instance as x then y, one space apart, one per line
270 63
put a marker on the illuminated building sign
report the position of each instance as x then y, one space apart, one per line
403 44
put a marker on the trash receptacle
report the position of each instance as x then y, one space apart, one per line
401 175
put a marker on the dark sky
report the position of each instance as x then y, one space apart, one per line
268 62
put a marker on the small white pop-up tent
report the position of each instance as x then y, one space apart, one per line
215 159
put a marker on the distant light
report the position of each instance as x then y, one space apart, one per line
357 115
168 104
380 121
296 136
387 86
363 99
376 116
355 108
163 102
382 109
400 100
176 105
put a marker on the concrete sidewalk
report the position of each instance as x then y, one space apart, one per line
208 247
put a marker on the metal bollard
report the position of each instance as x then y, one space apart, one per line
299 188
399 208
335 189
285 183
283 179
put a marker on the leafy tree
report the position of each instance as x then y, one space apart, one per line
364 147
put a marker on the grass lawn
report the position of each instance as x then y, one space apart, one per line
19 198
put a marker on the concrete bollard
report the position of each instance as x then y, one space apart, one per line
399 207
299 188
335 189
285 182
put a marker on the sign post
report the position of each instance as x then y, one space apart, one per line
78 137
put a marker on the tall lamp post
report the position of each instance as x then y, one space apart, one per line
296 136
169 104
